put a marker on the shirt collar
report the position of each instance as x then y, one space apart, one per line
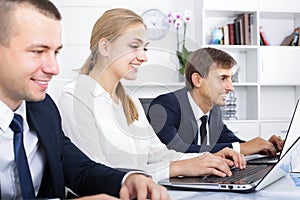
198 113
6 114
93 86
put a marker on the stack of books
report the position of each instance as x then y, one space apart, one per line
239 32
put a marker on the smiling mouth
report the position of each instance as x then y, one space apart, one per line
42 82
135 66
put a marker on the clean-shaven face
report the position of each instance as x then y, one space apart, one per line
128 52
219 84
28 63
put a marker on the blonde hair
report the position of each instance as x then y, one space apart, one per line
110 26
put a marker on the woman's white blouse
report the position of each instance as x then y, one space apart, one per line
98 126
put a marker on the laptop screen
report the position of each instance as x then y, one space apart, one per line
292 133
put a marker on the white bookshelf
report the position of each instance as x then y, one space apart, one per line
268 85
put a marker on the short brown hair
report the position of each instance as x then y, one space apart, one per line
7 8
201 61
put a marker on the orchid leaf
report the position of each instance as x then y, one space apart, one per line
183 58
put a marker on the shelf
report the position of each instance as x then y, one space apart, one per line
278 15
279 6
286 120
287 22
223 14
281 48
280 84
238 84
241 121
237 5
182 84
268 85
234 48
154 84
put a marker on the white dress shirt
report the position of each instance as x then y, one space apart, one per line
9 181
198 113
98 126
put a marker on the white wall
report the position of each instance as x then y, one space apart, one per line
79 17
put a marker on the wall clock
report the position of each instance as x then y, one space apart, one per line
157 23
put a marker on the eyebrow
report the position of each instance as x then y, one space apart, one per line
224 76
60 47
44 46
141 41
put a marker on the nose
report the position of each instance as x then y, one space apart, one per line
142 55
229 86
50 65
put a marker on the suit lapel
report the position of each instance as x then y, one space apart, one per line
188 122
215 129
37 121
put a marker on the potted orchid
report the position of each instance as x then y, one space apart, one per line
180 20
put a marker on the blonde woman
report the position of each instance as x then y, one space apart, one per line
108 124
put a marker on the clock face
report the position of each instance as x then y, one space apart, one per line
157 23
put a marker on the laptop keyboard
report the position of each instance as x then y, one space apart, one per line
268 159
237 174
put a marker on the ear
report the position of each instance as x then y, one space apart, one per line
197 80
103 46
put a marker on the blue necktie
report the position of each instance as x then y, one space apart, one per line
20 157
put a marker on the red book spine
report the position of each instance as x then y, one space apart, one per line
231 33
263 37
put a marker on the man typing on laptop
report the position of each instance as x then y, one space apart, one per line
190 120
254 177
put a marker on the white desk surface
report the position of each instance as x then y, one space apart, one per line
284 188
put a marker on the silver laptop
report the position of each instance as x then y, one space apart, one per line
290 137
254 177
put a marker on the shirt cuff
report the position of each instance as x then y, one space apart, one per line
236 146
136 172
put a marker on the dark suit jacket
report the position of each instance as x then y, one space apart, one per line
66 165
172 119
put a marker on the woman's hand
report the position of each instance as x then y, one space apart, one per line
232 158
207 164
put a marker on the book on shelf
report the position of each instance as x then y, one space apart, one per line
298 44
263 36
287 40
225 35
221 41
292 39
244 26
231 33
295 38
240 21
237 32
261 43
251 28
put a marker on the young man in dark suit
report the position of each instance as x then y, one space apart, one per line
176 116
37 160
